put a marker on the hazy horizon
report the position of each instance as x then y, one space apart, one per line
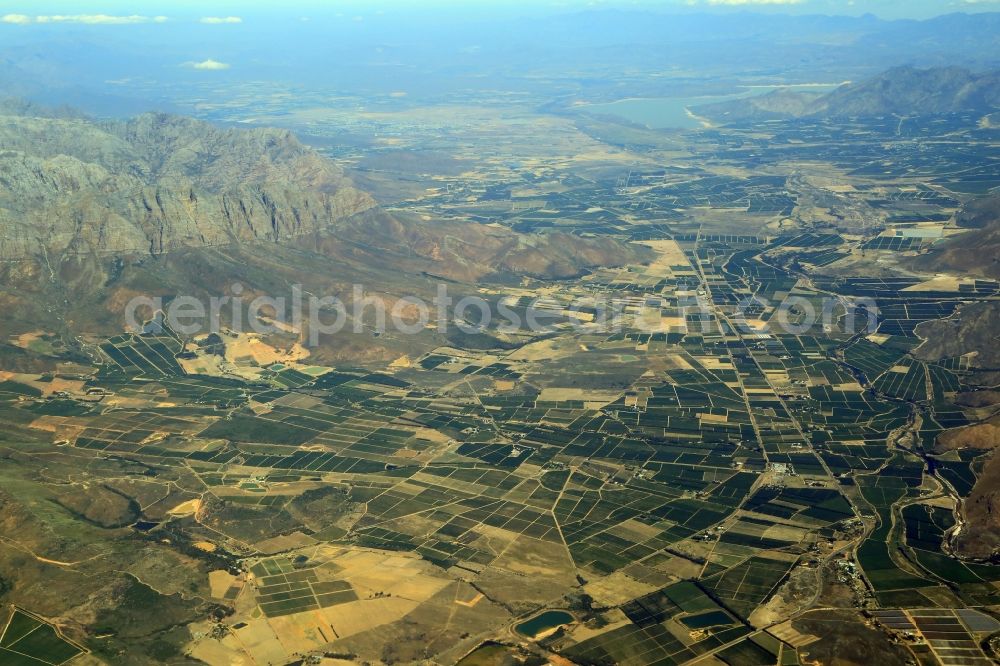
188 9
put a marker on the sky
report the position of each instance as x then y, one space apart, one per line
124 11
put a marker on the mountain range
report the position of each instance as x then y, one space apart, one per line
95 212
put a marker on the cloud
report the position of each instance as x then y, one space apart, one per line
87 19
96 19
216 20
211 65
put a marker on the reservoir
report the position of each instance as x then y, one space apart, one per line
658 112
672 112
706 620
544 622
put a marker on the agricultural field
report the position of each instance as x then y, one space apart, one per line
26 639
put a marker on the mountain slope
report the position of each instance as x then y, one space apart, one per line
774 105
907 90
899 91
975 252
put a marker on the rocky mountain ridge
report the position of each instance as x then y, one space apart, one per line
157 183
